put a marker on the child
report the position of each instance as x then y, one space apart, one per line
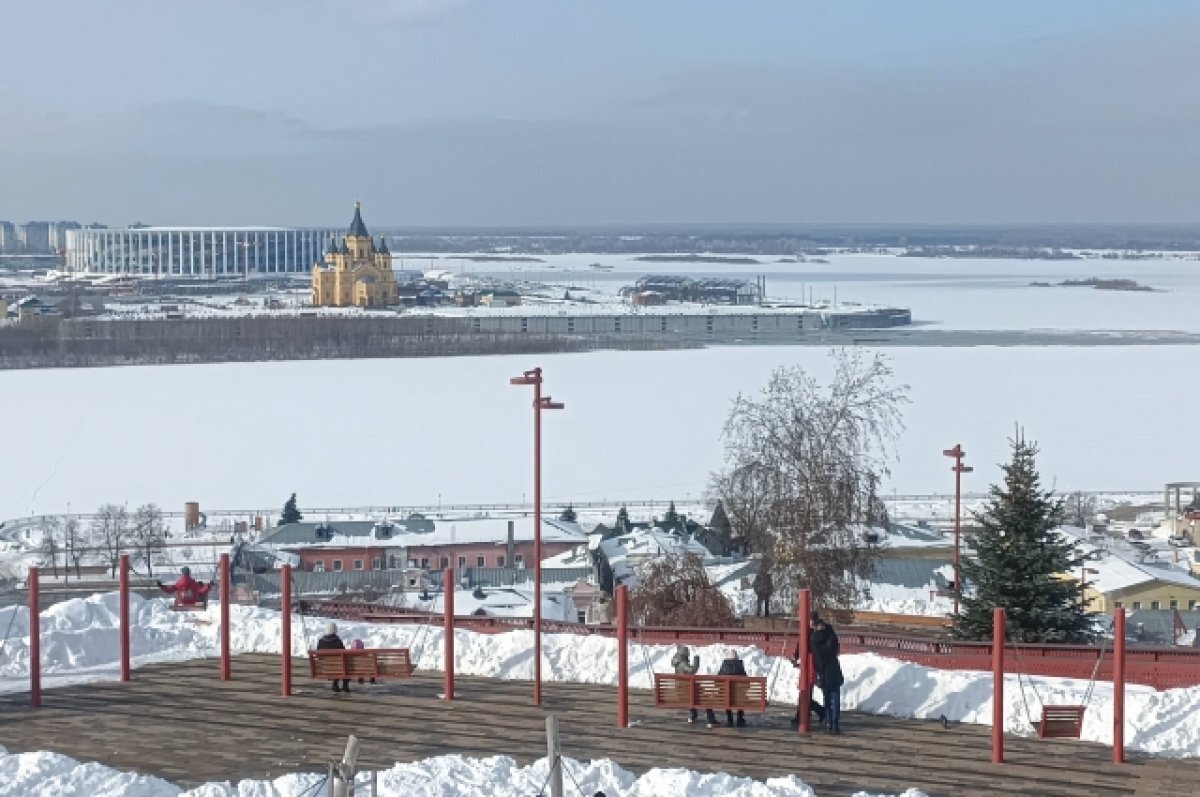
357 644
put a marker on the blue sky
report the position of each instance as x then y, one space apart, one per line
569 112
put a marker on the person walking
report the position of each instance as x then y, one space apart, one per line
809 675
825 647
331 641
685 664
732 665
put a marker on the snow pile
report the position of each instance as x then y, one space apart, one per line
54 775
80 644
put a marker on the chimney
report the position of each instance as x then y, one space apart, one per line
510 552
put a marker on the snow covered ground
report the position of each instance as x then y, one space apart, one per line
80 644
53 775
240 435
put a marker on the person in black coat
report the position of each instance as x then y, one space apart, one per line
331 641
808 674
825 647
732 665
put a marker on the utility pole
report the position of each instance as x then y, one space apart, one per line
959 469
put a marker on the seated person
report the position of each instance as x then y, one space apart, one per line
187 590
357 644
331 641
732 665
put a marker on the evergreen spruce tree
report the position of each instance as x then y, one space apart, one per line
1020 562
290 513
671 520
722 531
568 514
622 524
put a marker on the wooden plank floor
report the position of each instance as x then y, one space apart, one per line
245 729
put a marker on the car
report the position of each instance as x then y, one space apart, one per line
1134 534
1179 541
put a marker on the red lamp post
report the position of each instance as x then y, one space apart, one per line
959 469
540 403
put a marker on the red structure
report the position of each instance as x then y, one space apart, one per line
959 469
622 607
226 662
124 616
1119 686
285 630
540 403
35 641
448 627
805 697
998 635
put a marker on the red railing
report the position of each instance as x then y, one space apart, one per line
1157 667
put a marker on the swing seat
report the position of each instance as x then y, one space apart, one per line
337 665
734 692
1061 722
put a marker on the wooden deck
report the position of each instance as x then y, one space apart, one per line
245 729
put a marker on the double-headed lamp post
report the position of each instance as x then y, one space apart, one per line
959 469
540 403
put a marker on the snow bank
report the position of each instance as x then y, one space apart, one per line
79 644
54 775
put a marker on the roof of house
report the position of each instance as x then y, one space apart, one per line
1115 573
418 531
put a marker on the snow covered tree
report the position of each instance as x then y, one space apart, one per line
73 547
1079 509
51 529
802 464
676 591
111 527
291 514
1021 563
568 515
149 534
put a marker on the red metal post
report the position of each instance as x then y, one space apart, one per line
803 706
226 664
124 615
285 630
35 641
537 537
1119 687
448 628
622 656
998 686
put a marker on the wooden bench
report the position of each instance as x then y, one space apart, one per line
1061 722
734 692
333 665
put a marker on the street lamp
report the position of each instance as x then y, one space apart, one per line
1084 572
540 403
959 469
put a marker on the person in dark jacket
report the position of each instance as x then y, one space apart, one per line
331 641
685 664
732 665
808 673
825 647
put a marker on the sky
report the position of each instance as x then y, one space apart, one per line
565 112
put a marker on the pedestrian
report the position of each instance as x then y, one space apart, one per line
685 664
732 665
357 644
188 591
331 641
826 648
809 676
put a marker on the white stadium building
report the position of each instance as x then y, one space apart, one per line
196 252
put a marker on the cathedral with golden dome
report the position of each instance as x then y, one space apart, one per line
357 272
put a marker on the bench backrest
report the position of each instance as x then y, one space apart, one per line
746 693
362 663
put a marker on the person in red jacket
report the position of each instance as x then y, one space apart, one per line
187 590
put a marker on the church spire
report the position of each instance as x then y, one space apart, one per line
357 228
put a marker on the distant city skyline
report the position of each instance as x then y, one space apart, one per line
493 114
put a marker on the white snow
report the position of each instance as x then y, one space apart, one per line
79 644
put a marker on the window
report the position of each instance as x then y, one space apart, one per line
1118 604
1174 604
518 560
479 561
318 567
1191 606
358 564
1155 605
581 617
499 561
424 561
337 565
445 562
377 563
1137 605
462 562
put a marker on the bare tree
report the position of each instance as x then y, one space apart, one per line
149 534
51 528
111 528
676 591
73 545
1078 509
803 463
